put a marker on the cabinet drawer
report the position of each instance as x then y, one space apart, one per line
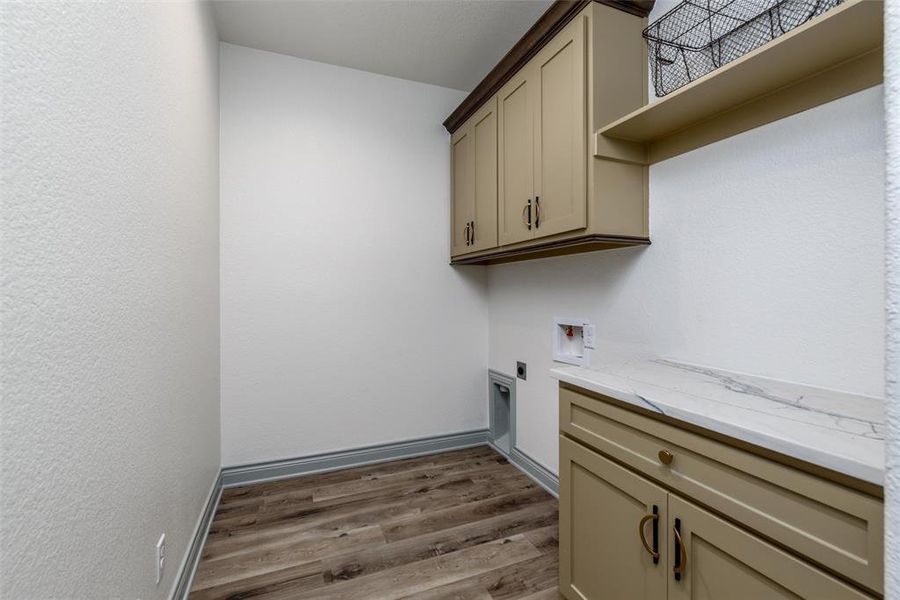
838 527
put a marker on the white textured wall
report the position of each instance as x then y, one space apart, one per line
767 258
110 407
342 323
892 340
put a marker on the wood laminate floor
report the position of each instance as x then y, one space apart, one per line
463 525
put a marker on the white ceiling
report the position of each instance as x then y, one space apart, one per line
451 43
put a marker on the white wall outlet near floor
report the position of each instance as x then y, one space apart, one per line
160 557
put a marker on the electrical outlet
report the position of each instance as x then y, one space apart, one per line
521 370
588 334
160 557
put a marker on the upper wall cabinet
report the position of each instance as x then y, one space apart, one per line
516 158
542 154
583 62
474 182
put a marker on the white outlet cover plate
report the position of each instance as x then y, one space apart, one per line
589 335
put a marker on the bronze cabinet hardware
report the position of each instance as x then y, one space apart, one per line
472 233
654 551
537 212
681 557
466 230
666 457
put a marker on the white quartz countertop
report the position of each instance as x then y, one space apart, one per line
836 430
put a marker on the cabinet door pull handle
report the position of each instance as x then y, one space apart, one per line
472 233
527 211
467 234
681 556
654 551
537 211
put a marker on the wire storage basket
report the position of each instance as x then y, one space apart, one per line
699 36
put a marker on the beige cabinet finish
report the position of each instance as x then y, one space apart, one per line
554 196
484 219
462 190
516 157
818 520
543 149
474 182
599 541
723 561
560 133
831 56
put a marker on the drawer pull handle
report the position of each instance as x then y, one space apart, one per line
654 552
666 457
681 556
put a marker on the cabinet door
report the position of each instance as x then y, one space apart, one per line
484 146
601 506
560 132
516 156
721 560
462 189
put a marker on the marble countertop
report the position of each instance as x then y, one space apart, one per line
836 430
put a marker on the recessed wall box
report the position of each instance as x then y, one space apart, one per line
502 411
569 340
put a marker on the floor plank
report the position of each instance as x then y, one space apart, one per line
414 578
358 562
291 580
519 580
348 516
243 493
240 566
462 525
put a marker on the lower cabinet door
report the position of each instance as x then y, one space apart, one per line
712 559
611 521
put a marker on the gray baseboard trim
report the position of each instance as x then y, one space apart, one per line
189 565
343 459
533 469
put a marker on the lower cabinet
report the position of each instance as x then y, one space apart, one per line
611 524
624 537
720 560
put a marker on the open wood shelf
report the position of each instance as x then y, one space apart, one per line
831 56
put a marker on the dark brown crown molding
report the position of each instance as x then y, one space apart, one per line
548 25
584 243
